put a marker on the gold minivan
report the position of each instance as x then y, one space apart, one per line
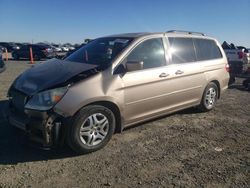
114 82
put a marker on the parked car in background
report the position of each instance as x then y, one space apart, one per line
41 51
2 48
114 82
72 51
10 46
65 48
238 58
2 65
246 53
19 44
69 46
56 48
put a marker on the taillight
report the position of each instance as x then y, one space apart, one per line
227 67
241 55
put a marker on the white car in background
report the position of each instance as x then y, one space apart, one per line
236 54
65 48
57 49
71 48
238 60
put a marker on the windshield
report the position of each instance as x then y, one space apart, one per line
100 51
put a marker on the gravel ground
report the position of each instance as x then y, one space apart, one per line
187 148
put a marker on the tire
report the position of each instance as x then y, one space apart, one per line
92 128
209 97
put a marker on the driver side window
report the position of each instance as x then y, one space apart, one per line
150 52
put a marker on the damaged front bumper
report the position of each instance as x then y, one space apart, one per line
44 127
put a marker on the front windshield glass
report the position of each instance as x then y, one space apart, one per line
100 51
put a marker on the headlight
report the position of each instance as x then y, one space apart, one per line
46 99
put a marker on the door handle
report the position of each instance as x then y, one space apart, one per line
163 75
179 72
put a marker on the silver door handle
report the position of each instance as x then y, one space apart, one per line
179 72
162 75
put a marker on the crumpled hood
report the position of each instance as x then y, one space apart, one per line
49 74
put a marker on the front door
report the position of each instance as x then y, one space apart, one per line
144 90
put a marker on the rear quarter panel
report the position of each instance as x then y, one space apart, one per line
215 70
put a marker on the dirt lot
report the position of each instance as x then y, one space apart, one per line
184 149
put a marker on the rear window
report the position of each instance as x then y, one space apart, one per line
182 50
206 49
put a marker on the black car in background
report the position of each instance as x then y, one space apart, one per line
39 52
10 46
2 48
2 65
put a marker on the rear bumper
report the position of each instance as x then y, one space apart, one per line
40 126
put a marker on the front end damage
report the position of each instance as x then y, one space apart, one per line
34 94
44 127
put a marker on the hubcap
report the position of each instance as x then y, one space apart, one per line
210 97
94 129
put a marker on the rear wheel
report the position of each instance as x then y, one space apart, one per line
92 128
209 97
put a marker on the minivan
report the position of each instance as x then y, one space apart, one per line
114 82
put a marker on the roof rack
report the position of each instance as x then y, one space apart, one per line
187 32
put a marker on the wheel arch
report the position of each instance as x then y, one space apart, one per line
115 109
218 85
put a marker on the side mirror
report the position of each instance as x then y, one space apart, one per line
134 65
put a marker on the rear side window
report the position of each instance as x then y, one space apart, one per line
182 50
206 49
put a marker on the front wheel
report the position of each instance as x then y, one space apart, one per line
92 128
209 97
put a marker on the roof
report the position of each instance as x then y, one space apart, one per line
131 35
169 33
